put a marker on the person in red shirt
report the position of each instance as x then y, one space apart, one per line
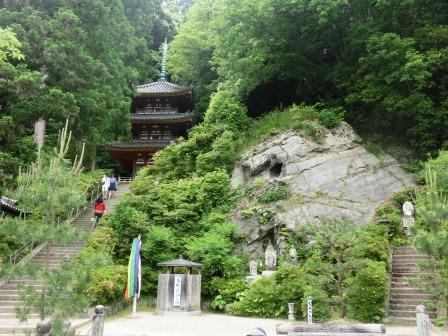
99 208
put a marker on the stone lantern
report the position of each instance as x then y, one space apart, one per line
179 288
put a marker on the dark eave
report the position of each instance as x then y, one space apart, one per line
10 206
138 145
173 117
161 88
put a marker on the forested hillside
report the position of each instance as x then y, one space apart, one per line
383 62
265 73
76 60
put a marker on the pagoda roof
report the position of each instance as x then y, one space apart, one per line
161 87
10 206
138 145
161 116
179 263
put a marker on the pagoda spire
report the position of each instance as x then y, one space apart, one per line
164 71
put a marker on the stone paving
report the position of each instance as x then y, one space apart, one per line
149 324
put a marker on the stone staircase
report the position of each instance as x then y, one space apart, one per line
10 292
404 297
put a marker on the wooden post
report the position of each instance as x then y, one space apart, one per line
422 321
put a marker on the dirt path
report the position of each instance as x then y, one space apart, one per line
149 324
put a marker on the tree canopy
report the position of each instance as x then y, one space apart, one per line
76 60
382 61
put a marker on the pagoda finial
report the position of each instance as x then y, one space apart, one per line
164 61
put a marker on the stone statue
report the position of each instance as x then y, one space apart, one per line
253 267
281 245
293 255
408 209
270 258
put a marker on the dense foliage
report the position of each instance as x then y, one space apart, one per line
431 231
344 271
383 62
78 60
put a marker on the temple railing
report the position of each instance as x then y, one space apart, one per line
125 179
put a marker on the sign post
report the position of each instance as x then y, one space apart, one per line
177 290
309 302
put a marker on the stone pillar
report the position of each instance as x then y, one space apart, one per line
43 328
422 321
98 321
291 311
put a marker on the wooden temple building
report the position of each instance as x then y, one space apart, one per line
161 112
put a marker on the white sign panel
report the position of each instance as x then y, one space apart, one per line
310 309
177 290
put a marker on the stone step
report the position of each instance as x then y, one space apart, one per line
6 303
405 269
13 316
399 296
20 286
408 290
405 248
409 313
13 327
404 321
9 297
406 307
14 291
413 302
22 281
9 309
410 259
409 275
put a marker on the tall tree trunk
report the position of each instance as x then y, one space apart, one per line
93 157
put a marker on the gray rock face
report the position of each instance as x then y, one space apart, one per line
335 177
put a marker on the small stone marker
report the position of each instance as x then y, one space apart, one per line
309 303
291 312
408 218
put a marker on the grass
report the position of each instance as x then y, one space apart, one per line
269 125
307 119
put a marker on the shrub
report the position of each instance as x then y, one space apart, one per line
269 297
226 110
158 245
439 166
212 249
229 291
367 293
221 156
108 284
331 117
274 194
321 303
261 299
102 240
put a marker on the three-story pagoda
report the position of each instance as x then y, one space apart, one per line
161 112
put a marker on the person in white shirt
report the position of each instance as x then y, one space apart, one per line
105 181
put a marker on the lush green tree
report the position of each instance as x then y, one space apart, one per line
381 61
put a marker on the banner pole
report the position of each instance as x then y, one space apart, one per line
134 307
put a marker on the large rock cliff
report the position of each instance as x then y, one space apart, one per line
333 177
